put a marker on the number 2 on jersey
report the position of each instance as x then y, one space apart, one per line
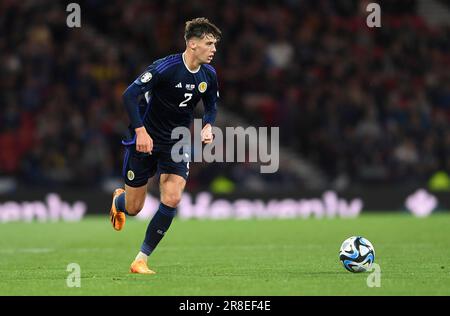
188 96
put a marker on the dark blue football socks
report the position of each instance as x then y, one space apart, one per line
157 227
120 203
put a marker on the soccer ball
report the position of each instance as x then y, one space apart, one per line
357 254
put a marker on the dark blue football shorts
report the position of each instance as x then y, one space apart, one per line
139 167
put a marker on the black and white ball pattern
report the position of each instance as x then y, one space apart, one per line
357 254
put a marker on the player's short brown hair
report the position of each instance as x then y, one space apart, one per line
200 27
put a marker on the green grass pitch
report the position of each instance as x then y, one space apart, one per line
227 257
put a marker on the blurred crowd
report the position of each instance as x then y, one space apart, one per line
363 105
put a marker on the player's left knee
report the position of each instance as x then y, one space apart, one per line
171 200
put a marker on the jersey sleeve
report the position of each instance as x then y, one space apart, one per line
148 79
210 102
144 83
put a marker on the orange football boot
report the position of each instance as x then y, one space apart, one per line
140 266
117 218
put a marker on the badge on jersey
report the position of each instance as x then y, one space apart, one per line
202 86
146 77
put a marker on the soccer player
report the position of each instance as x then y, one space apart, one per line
162 98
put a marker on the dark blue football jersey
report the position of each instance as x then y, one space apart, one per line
171 91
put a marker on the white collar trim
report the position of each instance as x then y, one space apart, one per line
192 72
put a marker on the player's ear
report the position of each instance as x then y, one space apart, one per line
191 43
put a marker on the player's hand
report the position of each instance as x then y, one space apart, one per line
144 143
206 134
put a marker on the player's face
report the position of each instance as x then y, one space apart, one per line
205 48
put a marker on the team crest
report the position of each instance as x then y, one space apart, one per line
146 77
202 86
130 175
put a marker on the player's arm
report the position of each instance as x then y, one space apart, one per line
136 90
210 104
